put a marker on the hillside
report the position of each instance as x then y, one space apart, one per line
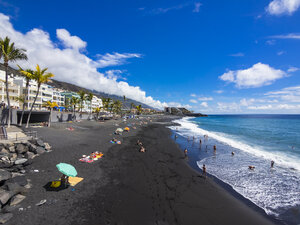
75 88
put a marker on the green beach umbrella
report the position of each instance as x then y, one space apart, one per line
67 169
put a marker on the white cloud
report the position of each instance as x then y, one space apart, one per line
205 99
204 104
193 95
288 94
197 7
287 36
193 101
279 7
228 107
260 107
270 42
256 76
70 41
293 69
246 102
239 54
179 105
219 91
280 52
115 59
70 65
114 74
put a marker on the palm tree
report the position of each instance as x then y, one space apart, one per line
10 54
117 106
132 105
74 102
97 110
82 97
106 103
50 105
90 98
40 76
27 74
139 109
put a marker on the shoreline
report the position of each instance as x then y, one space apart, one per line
126 186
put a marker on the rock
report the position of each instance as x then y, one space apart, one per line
15 188
29 155
33 148
28 162
5 164
4 196
4 151
12 149
4 217
20 180
21 148
47 146
42 202
14 156
4 175
39 142
20 161
40 150
8 209
16 199
16 175
5 159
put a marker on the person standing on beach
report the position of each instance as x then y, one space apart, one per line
204 171
185 152
272 164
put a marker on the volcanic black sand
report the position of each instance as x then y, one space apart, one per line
125 186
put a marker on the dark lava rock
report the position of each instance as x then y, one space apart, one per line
21 180
4 175
5 196
39 142
40 150
21 148
4 217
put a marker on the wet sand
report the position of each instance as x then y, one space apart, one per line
126 186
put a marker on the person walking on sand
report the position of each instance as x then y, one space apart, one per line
185 152
204 171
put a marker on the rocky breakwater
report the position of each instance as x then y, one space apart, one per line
14 159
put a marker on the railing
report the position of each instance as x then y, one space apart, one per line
17 137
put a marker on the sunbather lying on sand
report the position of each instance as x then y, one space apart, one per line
142 149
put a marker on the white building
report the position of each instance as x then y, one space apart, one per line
58 97
96 102
13 91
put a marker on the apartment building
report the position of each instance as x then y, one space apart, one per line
13 91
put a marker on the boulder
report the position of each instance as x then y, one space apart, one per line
32 148
16 199
5 159
20 180
4 217
4 196
5 164
4 151
8 209
29 155
20 161
47 146
40 150
4 175
12 149
39 142
13 156
21 148
14 188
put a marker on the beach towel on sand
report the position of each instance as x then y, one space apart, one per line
75 180
55 184
87 160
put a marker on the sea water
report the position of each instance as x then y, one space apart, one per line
256 140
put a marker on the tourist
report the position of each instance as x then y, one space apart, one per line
251 167
204 171
142 149
272 164
64 181
185 152
215 148
232 153
200 141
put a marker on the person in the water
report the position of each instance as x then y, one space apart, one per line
272 164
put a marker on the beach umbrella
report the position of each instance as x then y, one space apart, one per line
67 169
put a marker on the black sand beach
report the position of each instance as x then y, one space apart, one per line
126 186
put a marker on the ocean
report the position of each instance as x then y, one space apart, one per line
256 140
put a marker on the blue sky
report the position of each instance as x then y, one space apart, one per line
210 56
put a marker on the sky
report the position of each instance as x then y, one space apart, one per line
210 56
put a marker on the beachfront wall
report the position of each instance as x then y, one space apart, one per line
40 116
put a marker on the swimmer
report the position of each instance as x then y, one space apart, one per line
193 138
215 148
251 167
200 141
185 152
175 136
232 153
272 164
